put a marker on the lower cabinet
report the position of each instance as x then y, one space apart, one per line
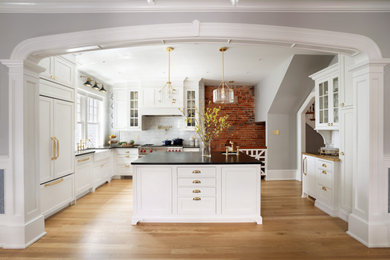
180 193
321 181
56 194
123 159
103 168
239 191
83 174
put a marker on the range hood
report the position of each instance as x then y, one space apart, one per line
162 111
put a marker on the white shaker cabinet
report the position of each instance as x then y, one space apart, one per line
59 70
309 176
56 125
103 168
327 86
123 159
83 174
126 109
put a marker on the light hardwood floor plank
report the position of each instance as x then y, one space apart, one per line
99 227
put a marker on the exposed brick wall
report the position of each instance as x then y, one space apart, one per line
243 131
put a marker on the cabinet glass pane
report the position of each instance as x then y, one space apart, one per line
321 102
335 85
326 102
321 89
326 88
336 115
335 99
326 116
321 117
133 108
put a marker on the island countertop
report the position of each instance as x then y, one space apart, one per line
164 158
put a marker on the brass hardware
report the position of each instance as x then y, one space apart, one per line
342 104
342 153
196 181
54 183
101 165
83 160
169 49
324 165
54 148
196 171
324 172
223 49
238 150
303 166
324 188
58 147
196 198
127 165
127 156
127 151
196 191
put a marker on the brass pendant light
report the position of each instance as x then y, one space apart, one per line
224 94
171 91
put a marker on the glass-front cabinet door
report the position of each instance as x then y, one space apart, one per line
134 110
327 98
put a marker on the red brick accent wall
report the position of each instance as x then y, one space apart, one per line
243 130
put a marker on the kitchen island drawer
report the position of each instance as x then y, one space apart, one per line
196 172
196 182
325 165
197 205
200 191
129 151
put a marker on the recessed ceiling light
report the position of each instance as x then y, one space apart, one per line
85 48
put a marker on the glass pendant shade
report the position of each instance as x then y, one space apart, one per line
223 94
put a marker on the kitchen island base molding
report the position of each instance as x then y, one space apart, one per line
257 220
196 193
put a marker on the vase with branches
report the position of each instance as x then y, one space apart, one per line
209 124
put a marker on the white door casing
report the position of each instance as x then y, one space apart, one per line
334 42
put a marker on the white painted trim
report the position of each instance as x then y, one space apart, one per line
301 132
281 175
38 6
195 32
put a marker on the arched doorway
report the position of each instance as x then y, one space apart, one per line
369 219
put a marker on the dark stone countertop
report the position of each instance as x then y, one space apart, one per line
163 158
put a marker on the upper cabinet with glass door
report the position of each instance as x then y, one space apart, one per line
126 109
327 86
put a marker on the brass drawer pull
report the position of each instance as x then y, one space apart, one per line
54 183
324 165
102 165
127 165
127 152
196 171
196 191
324 188
196 198
127 156
83 160
324 172
196 181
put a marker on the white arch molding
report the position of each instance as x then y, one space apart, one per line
23 224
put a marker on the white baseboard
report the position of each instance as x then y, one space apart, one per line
278 175
22 236
371 234
344 214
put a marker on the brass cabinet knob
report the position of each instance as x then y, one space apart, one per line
127 156
196 181
196 171
196 198
196 191
323 165
342 153
127 165
324 188
324 172
127 152
342 104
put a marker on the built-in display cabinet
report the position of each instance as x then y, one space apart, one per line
59 70
327 85
127 109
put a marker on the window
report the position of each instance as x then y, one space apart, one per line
134 109
88 121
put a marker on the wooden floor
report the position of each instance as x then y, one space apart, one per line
98 227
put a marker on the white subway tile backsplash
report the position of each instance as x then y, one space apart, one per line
152 135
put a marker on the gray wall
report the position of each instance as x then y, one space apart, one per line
1 191
17 27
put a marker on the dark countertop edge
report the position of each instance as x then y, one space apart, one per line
196 163
84 153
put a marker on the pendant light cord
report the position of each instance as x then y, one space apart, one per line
223 66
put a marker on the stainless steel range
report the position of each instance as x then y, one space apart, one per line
149 148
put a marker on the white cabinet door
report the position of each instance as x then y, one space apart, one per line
309 175
83 174
121 108
64 132
347 133
154 190
63 71
240 190
46 143
47 63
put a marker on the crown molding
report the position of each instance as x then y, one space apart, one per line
121 6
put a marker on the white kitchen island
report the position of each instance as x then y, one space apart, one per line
189 188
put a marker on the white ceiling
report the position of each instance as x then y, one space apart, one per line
245 64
